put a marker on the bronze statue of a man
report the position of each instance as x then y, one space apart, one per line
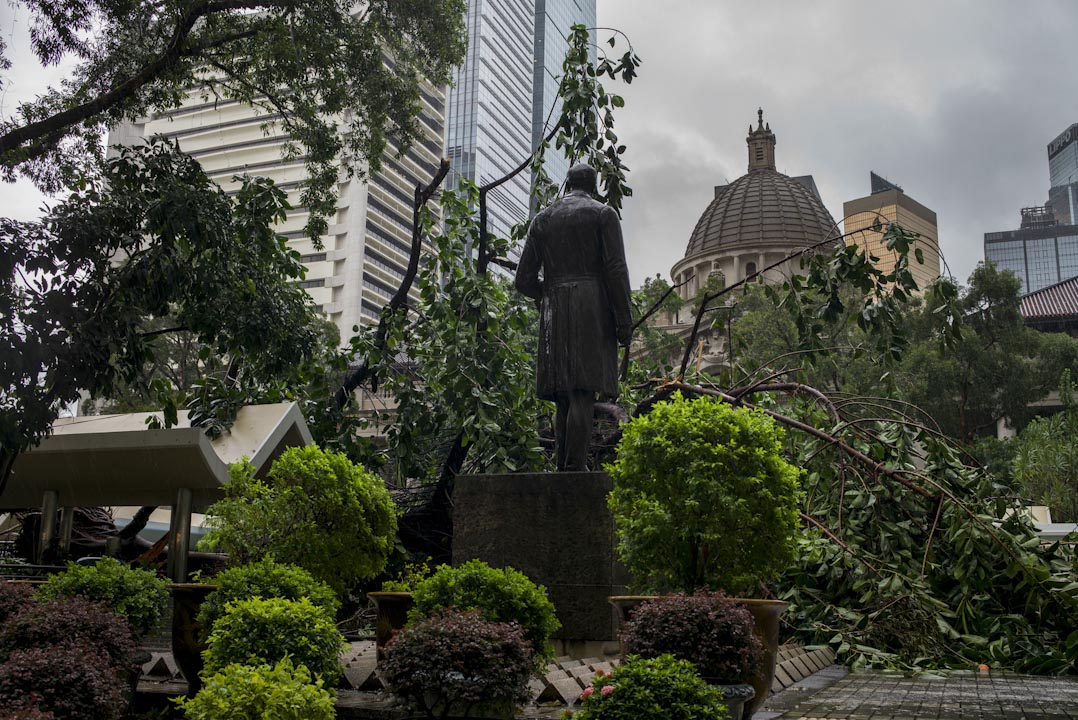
584 308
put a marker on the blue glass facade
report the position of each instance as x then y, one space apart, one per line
1063 157
553 18
1038 256
489 117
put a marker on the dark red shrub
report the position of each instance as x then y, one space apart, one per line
455 659
67 621
25 712
72 681
707 629
13 598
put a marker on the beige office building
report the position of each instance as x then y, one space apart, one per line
365 251
888 203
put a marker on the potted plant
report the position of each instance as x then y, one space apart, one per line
455 663
709 630
703 498
393 602
500 594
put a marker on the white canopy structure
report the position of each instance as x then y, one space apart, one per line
116 460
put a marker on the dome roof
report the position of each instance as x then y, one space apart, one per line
763 206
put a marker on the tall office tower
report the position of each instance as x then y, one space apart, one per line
1063 173
1041 252
888 203
365 251
553 18
490 107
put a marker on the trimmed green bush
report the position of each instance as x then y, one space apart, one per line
265 579
255 692
707 629
659 687
70 681
315 509
448 662
502 595
138 595
266 630
703 497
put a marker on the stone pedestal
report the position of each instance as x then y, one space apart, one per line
557 530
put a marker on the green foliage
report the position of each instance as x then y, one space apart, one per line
260 631
138 595
315 509
659 687
470 368
452 660
1046 458
319 66
149 237
702 497
502 595
261 692
69 681
908 578
408 578
709 630
265 578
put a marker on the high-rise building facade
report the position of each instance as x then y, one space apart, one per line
489 118
553 18
1063 174
1041 252
887 203
365 252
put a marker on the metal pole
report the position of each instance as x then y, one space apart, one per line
48 524
179 529
67 524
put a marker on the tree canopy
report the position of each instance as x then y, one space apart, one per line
343 79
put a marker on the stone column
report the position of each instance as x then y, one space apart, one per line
47 535
179 528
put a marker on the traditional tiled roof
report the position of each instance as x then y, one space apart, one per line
1055 301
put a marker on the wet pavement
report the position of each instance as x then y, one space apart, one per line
835 694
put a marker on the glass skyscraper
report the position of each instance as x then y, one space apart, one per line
503 94
553 18
1063 157
1041 252
490 107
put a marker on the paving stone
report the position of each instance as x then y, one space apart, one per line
161 665
604 666
583 672
566 664
562 690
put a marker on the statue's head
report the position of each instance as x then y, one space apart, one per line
581 177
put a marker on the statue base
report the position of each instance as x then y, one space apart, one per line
556 529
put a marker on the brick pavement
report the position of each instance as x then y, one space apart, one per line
959 696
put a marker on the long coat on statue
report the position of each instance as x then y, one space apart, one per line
584 296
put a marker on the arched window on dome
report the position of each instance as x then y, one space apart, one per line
750 270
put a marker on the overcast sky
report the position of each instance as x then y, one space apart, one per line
953 100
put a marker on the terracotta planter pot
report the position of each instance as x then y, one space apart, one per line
765 617
187 645
392 615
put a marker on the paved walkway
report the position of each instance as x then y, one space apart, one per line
834 694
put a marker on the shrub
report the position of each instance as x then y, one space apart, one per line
454 659
253 692
266 630
702 497
65 621
13 598
266 579
315 509
71 681
707 629
503 595
661 687
138 595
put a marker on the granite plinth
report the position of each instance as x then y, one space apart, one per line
556 529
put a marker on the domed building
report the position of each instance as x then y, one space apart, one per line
754 222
